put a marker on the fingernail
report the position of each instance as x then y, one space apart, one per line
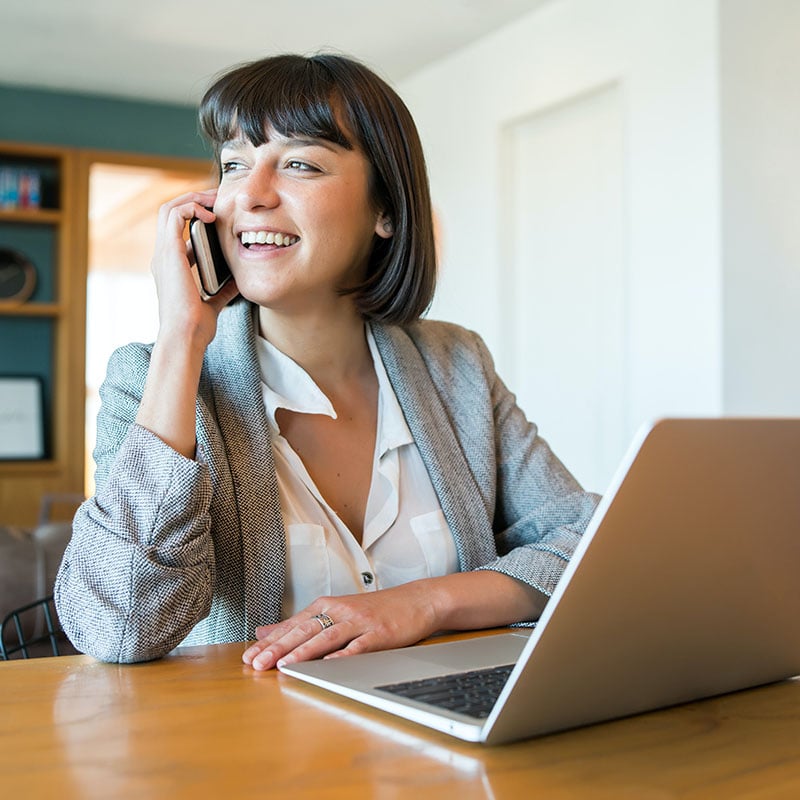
264 660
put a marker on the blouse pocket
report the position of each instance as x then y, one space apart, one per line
436 543
308 570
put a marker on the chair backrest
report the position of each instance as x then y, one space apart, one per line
51 535
13 636
58 506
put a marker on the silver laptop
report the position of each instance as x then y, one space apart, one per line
684 586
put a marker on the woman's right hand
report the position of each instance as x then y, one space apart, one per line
187 324
183 315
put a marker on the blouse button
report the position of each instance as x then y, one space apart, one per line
367 577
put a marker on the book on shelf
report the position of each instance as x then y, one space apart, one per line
20 188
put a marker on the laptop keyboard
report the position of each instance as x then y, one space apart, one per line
473 693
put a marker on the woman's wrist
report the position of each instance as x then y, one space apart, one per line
167 408
483 599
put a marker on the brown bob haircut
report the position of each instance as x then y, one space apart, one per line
336 98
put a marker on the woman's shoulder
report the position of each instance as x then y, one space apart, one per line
437 338
429 333
451 353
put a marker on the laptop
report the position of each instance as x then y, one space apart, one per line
684 586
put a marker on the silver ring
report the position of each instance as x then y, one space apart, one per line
324 620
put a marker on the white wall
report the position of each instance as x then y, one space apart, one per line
760 82
564 247
661 57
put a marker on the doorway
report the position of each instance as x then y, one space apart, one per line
121 304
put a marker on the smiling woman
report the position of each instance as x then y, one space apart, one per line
300 457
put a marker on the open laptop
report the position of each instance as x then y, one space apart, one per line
685 585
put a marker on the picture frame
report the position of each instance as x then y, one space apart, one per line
21 418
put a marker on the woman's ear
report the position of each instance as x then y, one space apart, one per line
384 227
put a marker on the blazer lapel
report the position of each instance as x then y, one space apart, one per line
441 452
236 387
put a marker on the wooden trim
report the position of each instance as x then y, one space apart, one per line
144 160
25 150
35 216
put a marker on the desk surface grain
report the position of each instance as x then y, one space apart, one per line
201 724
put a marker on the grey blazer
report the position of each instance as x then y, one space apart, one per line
172 550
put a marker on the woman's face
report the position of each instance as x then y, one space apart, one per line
295 220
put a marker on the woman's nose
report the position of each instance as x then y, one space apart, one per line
258 189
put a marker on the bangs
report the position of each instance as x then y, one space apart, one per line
289 94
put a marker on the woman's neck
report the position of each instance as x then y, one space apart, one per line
332 348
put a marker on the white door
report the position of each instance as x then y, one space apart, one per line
565 209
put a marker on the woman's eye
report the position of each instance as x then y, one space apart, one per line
230 166
300 166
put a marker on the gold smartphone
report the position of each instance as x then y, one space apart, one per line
212 268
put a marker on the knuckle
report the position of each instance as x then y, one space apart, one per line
359 645
310 626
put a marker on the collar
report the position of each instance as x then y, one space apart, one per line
285 384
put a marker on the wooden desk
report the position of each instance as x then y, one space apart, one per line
200 724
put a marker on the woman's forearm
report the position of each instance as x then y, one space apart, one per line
168 403
483 599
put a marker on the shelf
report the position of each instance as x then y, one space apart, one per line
44 336
31 309
42 467
35 216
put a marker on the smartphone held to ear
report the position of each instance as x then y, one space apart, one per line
212 268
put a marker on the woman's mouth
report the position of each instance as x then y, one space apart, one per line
248 238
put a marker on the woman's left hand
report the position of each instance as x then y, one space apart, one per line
396 617
361 622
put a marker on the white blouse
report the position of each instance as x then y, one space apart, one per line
405 537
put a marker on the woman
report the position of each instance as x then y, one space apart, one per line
309 462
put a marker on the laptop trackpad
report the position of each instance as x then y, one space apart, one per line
410 663
485 651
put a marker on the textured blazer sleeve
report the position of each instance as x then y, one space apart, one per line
540 510
138 573
512 505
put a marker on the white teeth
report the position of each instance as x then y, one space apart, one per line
268 237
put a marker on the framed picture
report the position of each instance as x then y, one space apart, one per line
21 419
